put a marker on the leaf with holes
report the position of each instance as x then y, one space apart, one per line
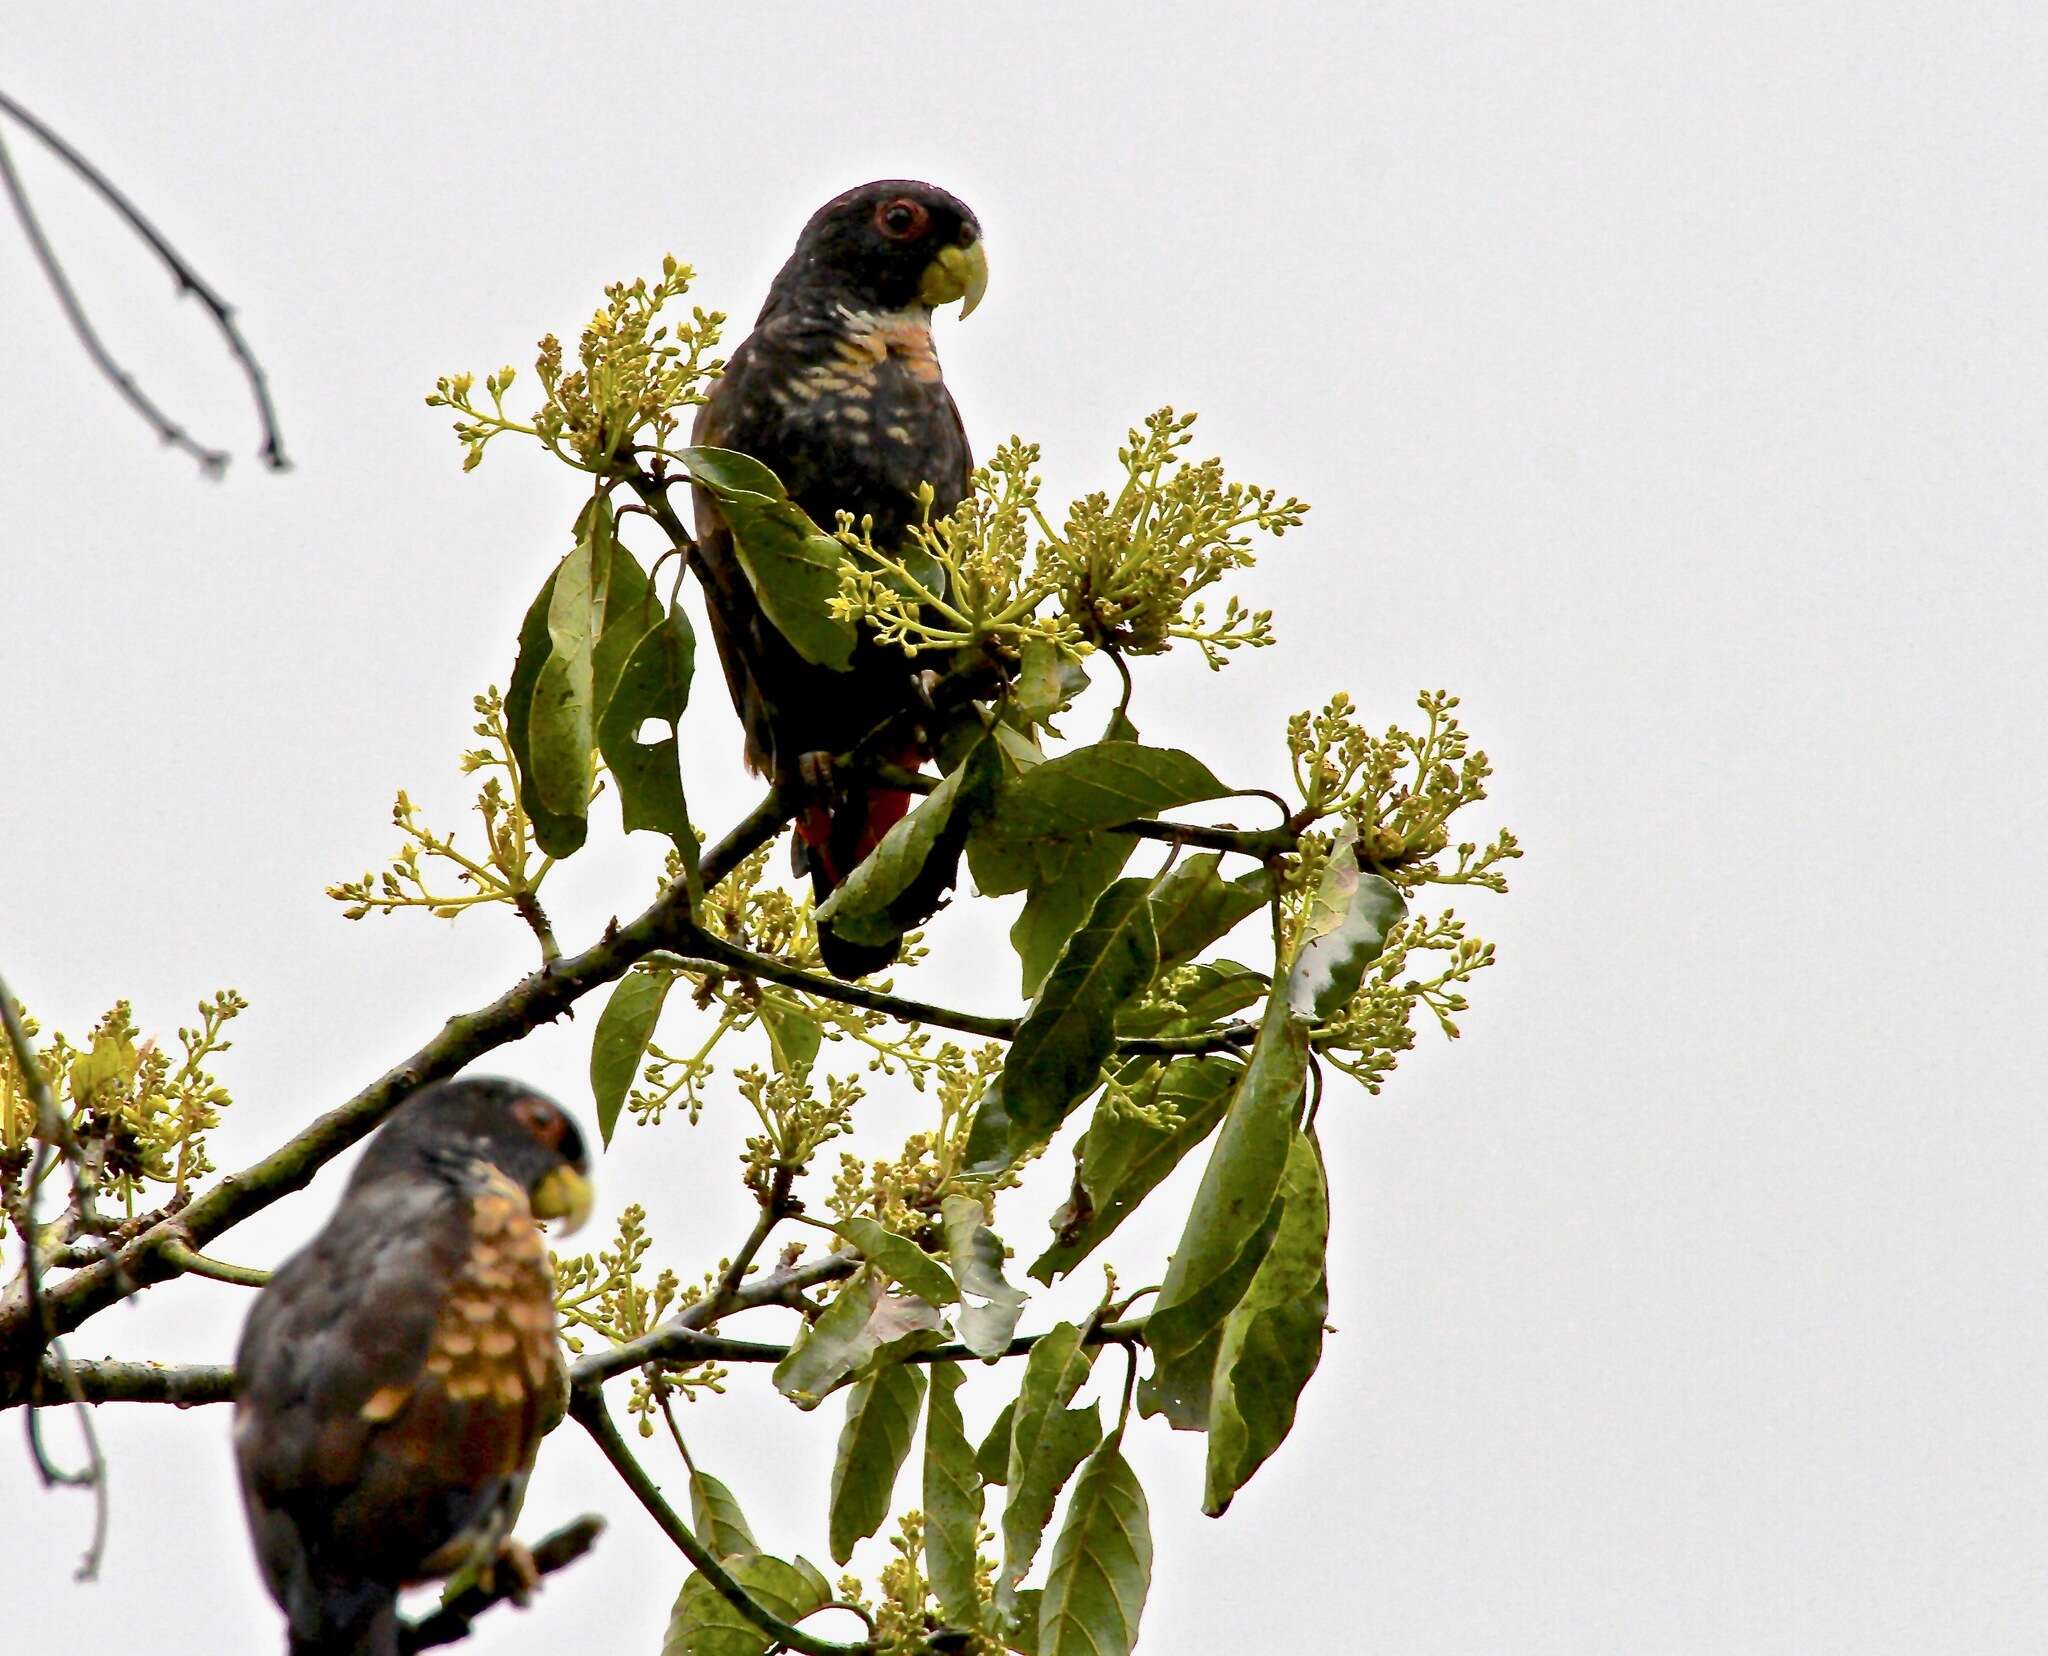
989 1304
1344 931
653 683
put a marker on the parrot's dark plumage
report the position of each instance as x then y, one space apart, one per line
838 392
395 1376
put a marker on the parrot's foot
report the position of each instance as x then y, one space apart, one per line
814 771
515 1558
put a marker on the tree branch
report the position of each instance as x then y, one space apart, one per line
716 954
213 461
536 999
110 1380
586 1407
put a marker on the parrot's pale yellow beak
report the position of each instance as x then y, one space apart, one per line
957 273
564 1194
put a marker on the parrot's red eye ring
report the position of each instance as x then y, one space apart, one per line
542 1120
901 219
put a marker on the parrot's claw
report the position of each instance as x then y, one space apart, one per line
927 683
515 1558
814 770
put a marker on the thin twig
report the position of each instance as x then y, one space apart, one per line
774 1209
219 1270
213 461
536 919
716 954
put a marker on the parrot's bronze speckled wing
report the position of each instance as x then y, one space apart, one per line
394 1381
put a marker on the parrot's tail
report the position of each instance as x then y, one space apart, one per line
357 1623
837 838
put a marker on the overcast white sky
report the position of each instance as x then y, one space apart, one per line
1668 380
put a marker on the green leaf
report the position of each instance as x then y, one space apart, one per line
1070 1028
1238 1187
562 723
557 834
1122 1158
900 1259
106 1067
631 611
1194 906
1020 1632
992 1459
716 1518
897 885
977 1256
793 1034
1101 1564
654 683
881 1415
1047 1441
1182 1380
1272 1342
1058 904
952 1501
1207 994
1343 934
623 1030
1046 681
1102 786
791 564
703 1624
1000 865
863 1325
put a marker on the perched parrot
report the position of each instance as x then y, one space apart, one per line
838 392
395 1376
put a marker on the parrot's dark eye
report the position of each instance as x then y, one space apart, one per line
901 219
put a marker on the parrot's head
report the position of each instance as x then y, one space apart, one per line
889 245
506 1125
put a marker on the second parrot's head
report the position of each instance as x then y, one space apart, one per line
888 245
505 1125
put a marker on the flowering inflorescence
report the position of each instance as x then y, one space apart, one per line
632 377
509 870
1399 791
1125 571
134 1115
